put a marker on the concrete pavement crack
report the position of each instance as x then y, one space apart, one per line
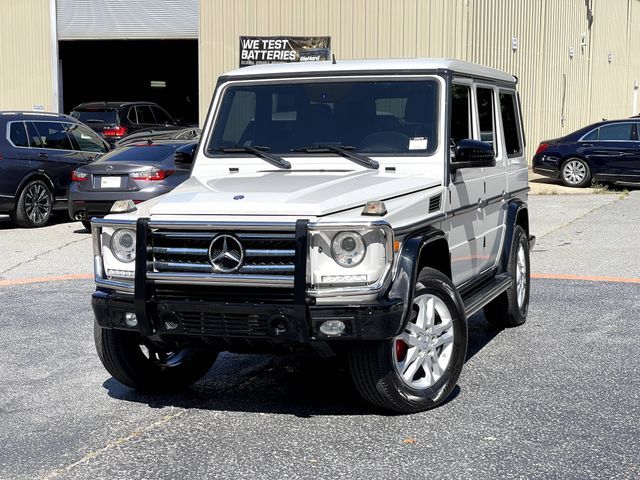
573 220
40 255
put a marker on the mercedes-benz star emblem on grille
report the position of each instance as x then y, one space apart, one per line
226 254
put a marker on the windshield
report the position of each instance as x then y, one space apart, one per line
386 117
95 116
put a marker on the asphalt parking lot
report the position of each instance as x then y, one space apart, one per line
556 398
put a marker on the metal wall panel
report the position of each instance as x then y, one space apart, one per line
119 19
559 93
26 78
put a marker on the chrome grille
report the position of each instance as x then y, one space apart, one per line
265 254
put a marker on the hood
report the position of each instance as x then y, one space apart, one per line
293 193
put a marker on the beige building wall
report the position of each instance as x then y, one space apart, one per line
26 51
560 92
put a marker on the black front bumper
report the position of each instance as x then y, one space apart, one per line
248 320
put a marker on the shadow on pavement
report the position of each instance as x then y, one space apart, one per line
57 218
303 386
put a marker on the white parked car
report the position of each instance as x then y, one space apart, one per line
358 208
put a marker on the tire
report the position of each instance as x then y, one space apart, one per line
575 173
34 206
86 224
510 308
377 368
123 355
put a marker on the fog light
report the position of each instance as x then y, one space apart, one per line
130 319
332 327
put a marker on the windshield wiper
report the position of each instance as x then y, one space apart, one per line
258 151
345 151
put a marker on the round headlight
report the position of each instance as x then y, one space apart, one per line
348 249
123 245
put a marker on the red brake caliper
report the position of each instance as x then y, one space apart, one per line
401 350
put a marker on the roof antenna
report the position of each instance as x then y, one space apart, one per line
333 56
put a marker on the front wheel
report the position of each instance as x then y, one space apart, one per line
143 366
419 368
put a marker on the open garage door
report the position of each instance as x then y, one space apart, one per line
130 50
160 71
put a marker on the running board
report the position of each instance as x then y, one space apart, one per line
479 298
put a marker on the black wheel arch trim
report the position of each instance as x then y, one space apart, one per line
36 175
515 208
404 282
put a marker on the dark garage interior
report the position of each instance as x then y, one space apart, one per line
123 70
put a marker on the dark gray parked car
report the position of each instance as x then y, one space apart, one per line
38 151
136 172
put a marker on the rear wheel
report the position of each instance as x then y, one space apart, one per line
34 205
143 366
511 307
419 368
575 173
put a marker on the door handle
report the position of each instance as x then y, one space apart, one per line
43 156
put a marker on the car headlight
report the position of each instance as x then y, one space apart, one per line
123 245
348 249
356 257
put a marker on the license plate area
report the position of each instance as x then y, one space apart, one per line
109 182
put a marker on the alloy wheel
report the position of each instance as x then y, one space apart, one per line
37 203
574 172
521 276
423 351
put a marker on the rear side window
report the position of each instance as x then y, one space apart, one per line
18 134
485 115
616 132
53 135
510 124
34 137
591 136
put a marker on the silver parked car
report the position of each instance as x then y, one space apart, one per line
136 172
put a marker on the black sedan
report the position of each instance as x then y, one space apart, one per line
136 172
604 151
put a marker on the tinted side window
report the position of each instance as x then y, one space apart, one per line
132 116
34 137
18 134
145 115
619 132
591 136
510 122
460 112
161 116
53 135
86 140
485 115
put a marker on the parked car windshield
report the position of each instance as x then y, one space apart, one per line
386 117
95 116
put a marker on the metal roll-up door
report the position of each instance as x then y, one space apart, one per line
124 19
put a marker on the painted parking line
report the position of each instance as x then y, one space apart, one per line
585 278
55 278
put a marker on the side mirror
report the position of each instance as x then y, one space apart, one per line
473 153
183 158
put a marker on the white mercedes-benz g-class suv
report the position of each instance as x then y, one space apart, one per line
357 208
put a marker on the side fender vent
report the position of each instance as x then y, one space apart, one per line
434 203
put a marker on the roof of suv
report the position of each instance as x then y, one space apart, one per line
99 105
367 66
